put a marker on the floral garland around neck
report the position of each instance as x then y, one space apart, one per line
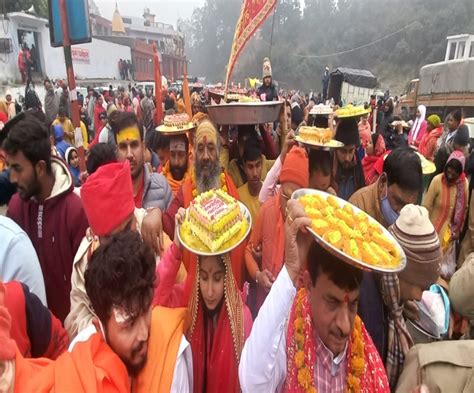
304 355
194 188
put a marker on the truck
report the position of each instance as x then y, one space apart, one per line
349 85
446 85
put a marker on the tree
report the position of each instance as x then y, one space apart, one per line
41 6
328 27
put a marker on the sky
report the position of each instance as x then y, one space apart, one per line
167 11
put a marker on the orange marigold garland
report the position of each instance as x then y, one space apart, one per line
302 356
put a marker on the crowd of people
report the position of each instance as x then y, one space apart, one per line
97 292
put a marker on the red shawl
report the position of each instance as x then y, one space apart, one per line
457 220
216 351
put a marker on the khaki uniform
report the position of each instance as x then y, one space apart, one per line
445 366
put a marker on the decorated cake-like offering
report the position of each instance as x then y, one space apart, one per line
215 217
315 134
179 120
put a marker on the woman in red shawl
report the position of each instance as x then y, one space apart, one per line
218 321
372 163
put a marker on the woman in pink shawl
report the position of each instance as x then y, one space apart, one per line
418 130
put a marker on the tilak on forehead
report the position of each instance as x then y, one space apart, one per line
206 133
129 133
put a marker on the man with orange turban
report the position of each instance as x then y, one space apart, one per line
264 252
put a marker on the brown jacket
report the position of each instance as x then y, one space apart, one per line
444 366
367 199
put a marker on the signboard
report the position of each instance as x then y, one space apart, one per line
80 55
78 22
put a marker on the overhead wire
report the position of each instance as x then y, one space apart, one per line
361 46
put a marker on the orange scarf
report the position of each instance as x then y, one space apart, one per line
175 184
92 367
166 332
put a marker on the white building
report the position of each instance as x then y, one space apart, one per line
95 60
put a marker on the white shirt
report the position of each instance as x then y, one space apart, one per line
263 362
183 369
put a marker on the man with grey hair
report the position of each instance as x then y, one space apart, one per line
208 175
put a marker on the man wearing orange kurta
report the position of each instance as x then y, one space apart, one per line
131 348
264 252
206 175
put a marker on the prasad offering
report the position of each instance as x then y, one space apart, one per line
350 232
177 123
319 137
351 111
215 223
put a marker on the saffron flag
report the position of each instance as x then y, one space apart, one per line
158 117
252 16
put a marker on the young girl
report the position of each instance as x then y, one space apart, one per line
72 160
218 320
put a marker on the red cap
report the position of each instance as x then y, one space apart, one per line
107 197
296 168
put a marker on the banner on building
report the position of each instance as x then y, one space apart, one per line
252 16
80 55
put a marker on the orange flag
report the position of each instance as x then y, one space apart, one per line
187 97
252 15
159 105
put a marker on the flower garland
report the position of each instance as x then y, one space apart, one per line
305 351
193 181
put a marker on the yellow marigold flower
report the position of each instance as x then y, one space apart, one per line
299 359
299 338
312 389
304 378
358 366
298 324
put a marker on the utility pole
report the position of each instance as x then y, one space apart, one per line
71 81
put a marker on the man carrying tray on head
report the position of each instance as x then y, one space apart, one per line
324 346
178 168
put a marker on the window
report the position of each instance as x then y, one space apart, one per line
6 45
452 50
461 46
471 54
128 21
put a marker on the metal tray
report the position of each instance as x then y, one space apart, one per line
236 113
193 244
340 254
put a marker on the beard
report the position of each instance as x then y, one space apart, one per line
210 180
33 189
178 172
134 369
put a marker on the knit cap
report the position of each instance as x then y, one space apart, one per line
295 168
415 233
434 120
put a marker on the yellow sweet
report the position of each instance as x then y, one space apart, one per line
332 201
334 238
352 233
319 226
